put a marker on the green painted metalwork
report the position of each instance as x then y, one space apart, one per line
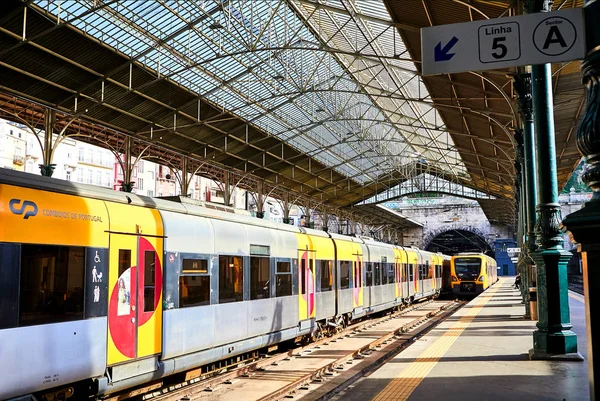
522 85
585 223
553 338
522 215
554 335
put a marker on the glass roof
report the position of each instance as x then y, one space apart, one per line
331 78
430 184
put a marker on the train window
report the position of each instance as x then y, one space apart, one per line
384 279
231 279
194 291
283 283
377 274
9 292
259 278
405 274
411 272
344 275
369 266
391 273
284 267
149 276
194 266
326 267
51 284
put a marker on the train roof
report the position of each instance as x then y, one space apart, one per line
174 204
177 204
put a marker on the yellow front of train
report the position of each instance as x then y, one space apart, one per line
469 274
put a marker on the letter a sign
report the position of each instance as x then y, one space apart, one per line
504 42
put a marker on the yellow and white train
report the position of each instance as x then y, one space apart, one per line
103 290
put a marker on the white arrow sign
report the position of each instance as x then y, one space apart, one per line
504 42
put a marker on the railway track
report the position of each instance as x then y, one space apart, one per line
332 361
578 288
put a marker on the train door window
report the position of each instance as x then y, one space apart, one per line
259 277
231 279
311 269
355 271
411 272
51 284
344 275
283 276
302 276
149 280
360 276
124 260
405 272
369 274
326 267
377 274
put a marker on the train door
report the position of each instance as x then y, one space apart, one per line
135 283
405 280
306 280
358 280
397 275
422 273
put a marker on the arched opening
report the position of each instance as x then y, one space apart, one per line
455 241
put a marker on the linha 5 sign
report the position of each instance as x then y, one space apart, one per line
504 42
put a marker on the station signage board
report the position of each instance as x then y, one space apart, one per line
504 42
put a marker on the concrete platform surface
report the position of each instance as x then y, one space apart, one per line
480 353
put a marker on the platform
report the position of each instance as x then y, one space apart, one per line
480 353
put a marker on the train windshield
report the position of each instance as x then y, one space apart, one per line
466 267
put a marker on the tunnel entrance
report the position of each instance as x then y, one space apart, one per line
455 241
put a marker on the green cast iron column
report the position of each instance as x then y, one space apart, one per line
522 214
585 223
522 85
554 335
553 338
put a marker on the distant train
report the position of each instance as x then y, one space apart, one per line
102 290
472 273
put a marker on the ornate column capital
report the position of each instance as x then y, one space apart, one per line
588 135
536 6
522 85
547 228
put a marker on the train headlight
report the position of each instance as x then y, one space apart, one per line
481 278
454 279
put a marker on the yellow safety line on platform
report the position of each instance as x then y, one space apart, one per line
577 297
409 379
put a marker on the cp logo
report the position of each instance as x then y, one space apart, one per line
28 207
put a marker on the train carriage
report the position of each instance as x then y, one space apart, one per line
349 265
380 276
